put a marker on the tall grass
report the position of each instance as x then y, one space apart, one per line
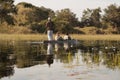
23 37
96 37
44 37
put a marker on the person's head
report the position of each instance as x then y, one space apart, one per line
49 19
57 33
49 59
67 34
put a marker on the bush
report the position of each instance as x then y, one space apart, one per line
37 28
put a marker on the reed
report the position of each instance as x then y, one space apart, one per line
96 37
44 37
23 37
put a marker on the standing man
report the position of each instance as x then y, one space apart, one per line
50 26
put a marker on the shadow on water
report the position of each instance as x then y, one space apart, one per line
6 62
24 55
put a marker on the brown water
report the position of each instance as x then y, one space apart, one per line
88 60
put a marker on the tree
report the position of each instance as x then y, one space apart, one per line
95 17
63 26
91 17
29 14
7 9
112 16
40 13
50 12
86 18
68 16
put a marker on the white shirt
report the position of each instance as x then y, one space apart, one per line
66 37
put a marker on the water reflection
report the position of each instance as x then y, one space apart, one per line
91 53
6 61
49 58
50 49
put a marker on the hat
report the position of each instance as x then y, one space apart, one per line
49 18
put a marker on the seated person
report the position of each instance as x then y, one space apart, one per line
58 37
67 37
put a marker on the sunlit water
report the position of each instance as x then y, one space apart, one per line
88 60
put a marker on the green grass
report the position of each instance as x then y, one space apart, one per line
44 37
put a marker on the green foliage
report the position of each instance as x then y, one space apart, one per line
7 9
95 16
26 5
65 20
112 15
60 26
47 12
38 27
64 26
67 15
86 18
31 14
34 18
91 17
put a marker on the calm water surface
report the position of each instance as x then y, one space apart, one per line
86 60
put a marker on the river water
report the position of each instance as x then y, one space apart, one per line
86 60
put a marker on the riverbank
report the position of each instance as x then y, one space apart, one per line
44 37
